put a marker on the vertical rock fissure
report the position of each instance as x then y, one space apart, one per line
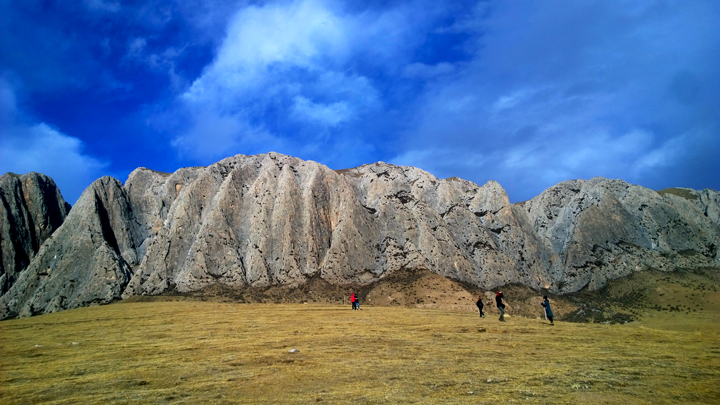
106 228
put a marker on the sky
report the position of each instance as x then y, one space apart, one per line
526 93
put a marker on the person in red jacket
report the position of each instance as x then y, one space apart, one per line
353 301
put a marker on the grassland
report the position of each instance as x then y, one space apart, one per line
187 351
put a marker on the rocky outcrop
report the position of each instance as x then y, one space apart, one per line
275 220
88 260
600 229
31 209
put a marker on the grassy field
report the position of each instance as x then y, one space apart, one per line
187 351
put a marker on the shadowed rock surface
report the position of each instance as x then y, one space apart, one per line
88 260
31 209
274 220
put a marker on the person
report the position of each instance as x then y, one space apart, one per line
352 301
548 311
499 300
480 306
357 302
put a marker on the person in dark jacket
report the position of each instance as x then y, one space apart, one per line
548 311
480 306
499 301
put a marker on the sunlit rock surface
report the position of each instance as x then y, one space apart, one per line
277 220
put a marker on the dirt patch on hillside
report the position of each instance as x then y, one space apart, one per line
421 288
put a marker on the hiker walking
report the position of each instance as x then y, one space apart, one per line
499 300
480 306
353 302
548 311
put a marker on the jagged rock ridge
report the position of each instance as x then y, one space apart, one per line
31 209
605 229
277 220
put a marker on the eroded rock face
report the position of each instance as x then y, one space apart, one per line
273 219
277 220
31 209
604 229
88 260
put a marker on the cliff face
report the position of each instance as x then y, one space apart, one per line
605 229
87 260
31 209
273 219
276 220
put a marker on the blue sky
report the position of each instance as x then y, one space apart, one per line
527 93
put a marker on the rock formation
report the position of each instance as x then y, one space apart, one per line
271 220
605 229
31 209
87 260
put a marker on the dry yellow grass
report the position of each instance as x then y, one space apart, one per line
210 352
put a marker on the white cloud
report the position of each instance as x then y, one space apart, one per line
283 63
674 150
263 41
27 146
545 159
164 61
441 162
42 149
329 115
513 99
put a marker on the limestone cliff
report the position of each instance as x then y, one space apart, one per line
604 229
87 260
31 209
274 219
277 220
